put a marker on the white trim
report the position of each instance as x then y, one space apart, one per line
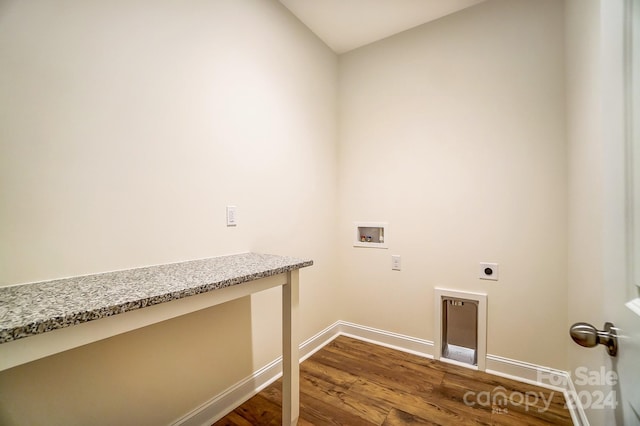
481 350
222 404
549 378
217 407
385 233
388 339
634 306
545 377
578 415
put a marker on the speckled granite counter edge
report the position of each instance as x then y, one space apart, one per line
40 326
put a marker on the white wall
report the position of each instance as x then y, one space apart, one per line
126 127
454 133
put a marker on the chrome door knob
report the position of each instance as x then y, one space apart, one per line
588 336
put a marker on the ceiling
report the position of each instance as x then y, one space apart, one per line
347 24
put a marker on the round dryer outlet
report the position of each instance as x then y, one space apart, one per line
488 271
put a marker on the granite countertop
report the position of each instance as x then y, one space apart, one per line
36 308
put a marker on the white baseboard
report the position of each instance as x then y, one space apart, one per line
388 339
549 378
576 409
217 407
222 404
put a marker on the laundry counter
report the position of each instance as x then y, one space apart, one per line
44 318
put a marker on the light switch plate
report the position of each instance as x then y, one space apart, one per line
232 219
396 262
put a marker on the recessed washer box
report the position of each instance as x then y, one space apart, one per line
371 234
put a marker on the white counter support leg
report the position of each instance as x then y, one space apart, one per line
290 356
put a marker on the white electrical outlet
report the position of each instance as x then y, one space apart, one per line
396 263
232 219
488 271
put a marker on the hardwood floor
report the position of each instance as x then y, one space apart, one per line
351 382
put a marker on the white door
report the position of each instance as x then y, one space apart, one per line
621 114
611 391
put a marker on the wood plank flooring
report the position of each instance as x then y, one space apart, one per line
351 382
